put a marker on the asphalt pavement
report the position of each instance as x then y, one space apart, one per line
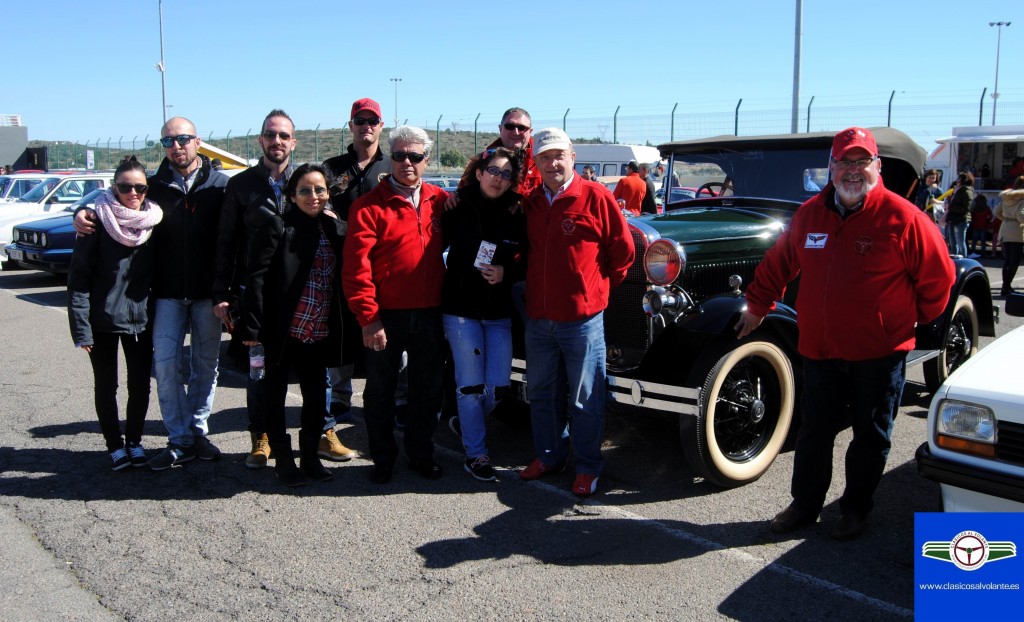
218 541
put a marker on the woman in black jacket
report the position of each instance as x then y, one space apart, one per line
486 255
292 306
108 298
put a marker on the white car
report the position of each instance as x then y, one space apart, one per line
975 447
49 199
14 185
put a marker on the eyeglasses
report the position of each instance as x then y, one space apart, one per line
845 165
494 171
413 157
269 135
181 139
515 127
124 188
360 121
319 191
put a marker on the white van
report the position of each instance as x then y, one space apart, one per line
610 160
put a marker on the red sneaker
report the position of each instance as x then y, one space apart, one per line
585 484
538 469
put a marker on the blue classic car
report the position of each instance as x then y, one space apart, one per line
47 244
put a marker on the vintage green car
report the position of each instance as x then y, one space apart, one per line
671 346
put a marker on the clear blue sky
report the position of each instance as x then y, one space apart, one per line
83 70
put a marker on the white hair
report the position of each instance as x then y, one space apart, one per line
410 134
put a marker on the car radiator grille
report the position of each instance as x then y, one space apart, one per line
707 279
1010 447
626 326
28 238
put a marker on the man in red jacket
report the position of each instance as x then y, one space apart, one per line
871 265
630 190
392 271
580 248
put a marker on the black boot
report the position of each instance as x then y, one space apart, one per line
309 460
284 462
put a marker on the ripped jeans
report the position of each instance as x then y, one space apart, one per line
482 351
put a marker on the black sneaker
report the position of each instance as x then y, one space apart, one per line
120 458
170 456
480 468
205 449
455 426
136 454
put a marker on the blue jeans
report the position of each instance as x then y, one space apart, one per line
339 395
570 354
185 412
867 393
956 238
419 333
482 351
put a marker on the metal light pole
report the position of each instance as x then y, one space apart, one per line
999 40
160 66
794 125
396 81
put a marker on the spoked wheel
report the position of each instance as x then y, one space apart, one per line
746 407
959 343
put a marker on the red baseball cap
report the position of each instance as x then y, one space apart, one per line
365 104
851 138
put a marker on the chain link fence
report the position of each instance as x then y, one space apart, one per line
454 145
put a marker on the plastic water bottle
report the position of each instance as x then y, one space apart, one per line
256 362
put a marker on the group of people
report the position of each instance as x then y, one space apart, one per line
962 207
634 192
328 265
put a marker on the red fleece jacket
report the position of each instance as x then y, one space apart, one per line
631 189
392 257
580 247
864 281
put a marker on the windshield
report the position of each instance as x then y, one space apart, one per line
35 195
793 174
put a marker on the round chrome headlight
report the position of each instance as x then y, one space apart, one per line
42 239
664 261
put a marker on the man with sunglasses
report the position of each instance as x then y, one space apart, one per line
190 193
355 173
871 266
392 270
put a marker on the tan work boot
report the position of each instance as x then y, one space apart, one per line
257 458
332 449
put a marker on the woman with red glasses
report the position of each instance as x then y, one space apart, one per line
108 303
486 248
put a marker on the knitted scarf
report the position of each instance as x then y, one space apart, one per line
127 226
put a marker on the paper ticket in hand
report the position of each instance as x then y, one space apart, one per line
485 254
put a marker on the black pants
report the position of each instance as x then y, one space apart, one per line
307 361
418 332
1012 252
138 356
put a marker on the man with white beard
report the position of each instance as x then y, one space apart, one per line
871 266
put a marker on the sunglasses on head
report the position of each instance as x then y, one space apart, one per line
181 139
124 188
515 127
269 135
413 157
366 120
319 191
494 171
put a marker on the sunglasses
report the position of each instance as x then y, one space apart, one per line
845 165
413 157
515 127
319 191
269 135
181 139
494 171
360 121
124 188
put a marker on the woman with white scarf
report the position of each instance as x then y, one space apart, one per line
108 298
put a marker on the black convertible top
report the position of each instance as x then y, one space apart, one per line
902 159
